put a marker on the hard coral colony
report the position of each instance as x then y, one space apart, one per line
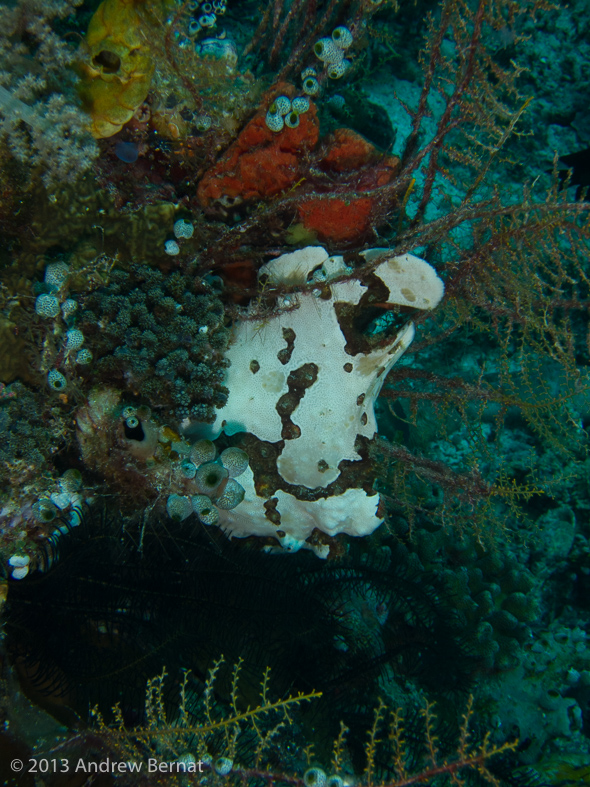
241 240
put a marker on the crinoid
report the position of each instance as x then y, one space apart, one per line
121 600
199 743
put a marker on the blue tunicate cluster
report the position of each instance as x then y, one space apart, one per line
235 461
53 303
209 476
56 380
214 479
331 51
183 230
178 507
314 777
44 510
166 333
47 305
202 20
56 275
223 766
232 495
284 112
52 293
172 248
204 14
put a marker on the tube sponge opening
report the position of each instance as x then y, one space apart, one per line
209 476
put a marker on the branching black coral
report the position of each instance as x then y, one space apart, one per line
517 298
436 768
200 727
200 744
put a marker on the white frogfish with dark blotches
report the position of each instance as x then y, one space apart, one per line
302 387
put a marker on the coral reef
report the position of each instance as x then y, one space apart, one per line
33 492
191 386
235 746
13 352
